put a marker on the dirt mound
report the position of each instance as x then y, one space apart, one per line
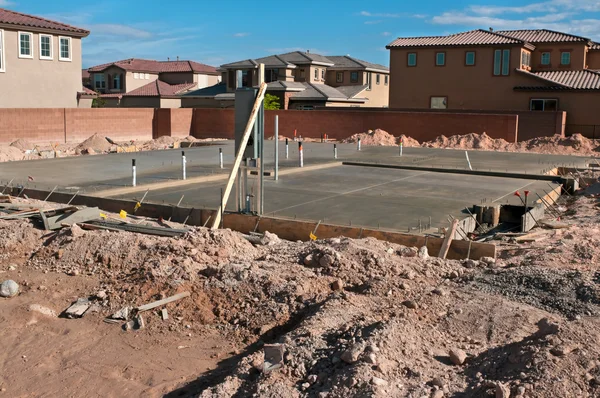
373 137
18 238
407 141
96 142
11 153
469 141
575 144
165 140
22 144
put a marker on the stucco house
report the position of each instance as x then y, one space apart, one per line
538 70
302 80
40 63
143 83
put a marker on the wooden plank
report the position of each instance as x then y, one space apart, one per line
238 159
448 239
158 303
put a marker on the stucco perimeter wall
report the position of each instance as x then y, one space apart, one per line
422 126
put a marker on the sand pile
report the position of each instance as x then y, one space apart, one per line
407 141
11 153
575 144
22 144
376 137
469 141
96 142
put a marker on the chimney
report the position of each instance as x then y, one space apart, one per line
491 29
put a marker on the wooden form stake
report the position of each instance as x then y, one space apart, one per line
448 239
238 158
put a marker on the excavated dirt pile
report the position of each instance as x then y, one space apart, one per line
356 318
379 137
468 141
94 144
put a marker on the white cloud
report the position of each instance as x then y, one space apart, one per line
386 34
119 30
283 50
375 22
546 6
6 3
381 14
241 34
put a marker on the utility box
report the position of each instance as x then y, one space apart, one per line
244 101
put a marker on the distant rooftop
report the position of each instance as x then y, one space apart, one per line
542 36
152 66
477 37
8 17
584 79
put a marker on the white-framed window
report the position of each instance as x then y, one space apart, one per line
386 79
99 81
136 75
46 50
146 76
543 104
316 73
64 48
2 67
377 78
25 45
323 74
339 77
369 80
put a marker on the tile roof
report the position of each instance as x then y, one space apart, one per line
303 58
209 92
289 86
477 37
542 36
18 19
321 92
584 79
289 60
347 62
352 91
152 66
595 46
159 88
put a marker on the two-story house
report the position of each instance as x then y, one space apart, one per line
146 83
301 80
539 70
40 62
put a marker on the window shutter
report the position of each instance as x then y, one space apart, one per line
110 82
121 81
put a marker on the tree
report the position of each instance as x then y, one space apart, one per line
98 102
272 102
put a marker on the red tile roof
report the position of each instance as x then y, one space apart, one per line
595 46
88 91
159 88
542 36
477 37
583 79
18 19
152 66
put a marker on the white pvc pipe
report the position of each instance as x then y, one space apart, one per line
134 182
300 155
335 151
276 147
220 157
468 161
358 144
183 164
287 149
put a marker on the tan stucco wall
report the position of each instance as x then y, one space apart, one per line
593 59
312 68
36 83
131 83
170 103
85 103
578 55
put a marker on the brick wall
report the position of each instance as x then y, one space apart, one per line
181 122
37 125
341 124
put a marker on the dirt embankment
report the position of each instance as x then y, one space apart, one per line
357 317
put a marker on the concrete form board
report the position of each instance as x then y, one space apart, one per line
528 220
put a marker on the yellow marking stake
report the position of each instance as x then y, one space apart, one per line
137 206
312 236
102 215
123 214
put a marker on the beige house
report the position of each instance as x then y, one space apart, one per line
145 83
302 80
40 62
538 70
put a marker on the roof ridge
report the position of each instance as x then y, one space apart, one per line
546 30
358 61
501 35
285 62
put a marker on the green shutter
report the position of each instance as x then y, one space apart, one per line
505 62
497 62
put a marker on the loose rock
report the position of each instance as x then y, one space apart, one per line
9 288
457 356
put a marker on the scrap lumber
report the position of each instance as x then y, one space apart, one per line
532 237
158 303
448 239
238 159
80 216
555 224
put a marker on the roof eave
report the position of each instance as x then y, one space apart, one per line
44 30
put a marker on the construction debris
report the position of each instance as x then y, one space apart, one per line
158 303
78 308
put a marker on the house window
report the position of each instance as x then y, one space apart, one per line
470 58
377 77
117 82
545 58
353 77
439 103
323 74
245 79
369 82
147 76
302 74
411 59
316 73
501 62
440 59
526 58
386 79
65 48
136 75
45 47
543 104
99 81
339 77
25 45
565 58
2 51
271 75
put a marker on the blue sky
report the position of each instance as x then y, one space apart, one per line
217 32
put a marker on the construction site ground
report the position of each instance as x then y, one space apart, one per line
357 318
362 196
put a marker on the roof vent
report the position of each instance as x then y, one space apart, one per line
178 58
491 29
168 59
